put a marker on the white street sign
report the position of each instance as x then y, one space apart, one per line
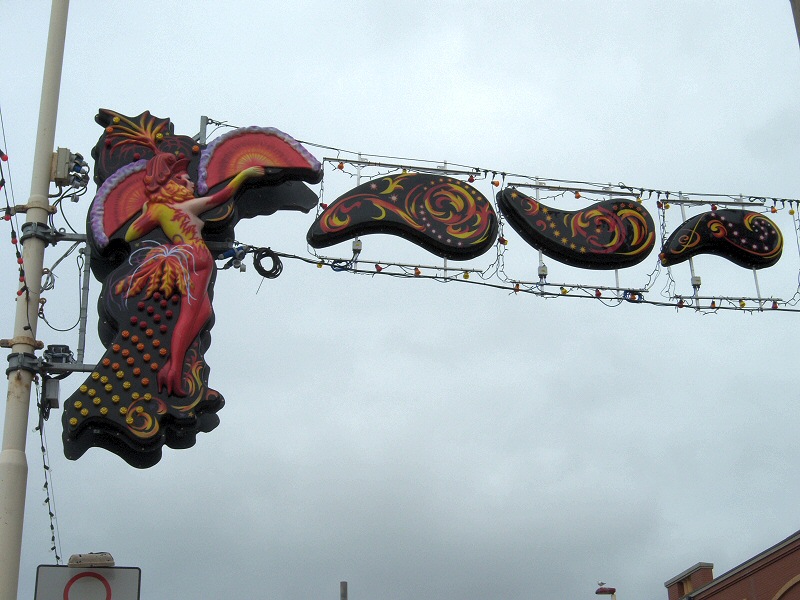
57 582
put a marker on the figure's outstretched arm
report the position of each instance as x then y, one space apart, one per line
201 205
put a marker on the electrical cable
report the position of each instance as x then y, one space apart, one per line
277 266
50 499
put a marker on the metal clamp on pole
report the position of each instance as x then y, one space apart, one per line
41 231
23 361
48 235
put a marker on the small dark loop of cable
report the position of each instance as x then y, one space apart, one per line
277 265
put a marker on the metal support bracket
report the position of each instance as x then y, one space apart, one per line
48 235
6 343
62 369
23 208
40 231
23 361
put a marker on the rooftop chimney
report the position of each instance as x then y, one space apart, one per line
690 580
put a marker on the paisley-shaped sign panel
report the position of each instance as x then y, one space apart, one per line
612 234
443 215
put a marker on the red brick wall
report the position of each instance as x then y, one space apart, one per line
763 579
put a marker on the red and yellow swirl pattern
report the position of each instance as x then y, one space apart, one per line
748 239
443 215
612 234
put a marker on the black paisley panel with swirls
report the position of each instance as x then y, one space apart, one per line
748 239
445 216
612 234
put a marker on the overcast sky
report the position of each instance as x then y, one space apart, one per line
427 440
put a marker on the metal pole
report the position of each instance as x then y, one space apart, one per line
542 269
84 304
202 134
13 464
691 261
796 13
758 289
342 590
356 240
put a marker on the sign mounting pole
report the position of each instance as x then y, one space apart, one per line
22 361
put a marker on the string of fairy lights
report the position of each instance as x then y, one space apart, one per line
11 216
354 164
494 275
49 501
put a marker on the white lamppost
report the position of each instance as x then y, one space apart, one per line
22 360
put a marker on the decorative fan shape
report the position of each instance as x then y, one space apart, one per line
445 216
237 150
748 239
612 234
119 198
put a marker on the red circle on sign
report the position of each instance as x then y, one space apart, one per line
97 576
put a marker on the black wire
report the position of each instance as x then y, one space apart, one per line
50 500
277 266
